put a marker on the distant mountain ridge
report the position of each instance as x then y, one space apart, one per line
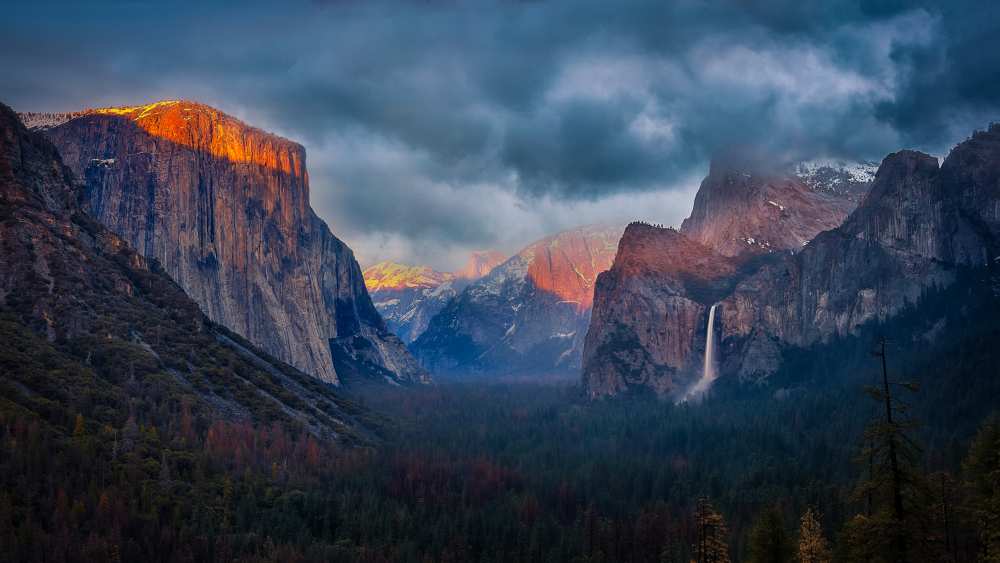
480 263
408 297
393 275
224 207
528 315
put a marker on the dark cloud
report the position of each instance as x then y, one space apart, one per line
443 125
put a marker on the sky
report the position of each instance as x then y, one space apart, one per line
436 127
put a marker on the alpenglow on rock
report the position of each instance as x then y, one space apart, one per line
408 297
529 315
79 305
224 207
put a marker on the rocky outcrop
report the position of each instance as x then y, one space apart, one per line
224 207
915 227
741 209
651 308
528 315
98 315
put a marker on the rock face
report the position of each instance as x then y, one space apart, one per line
528 315
842 178
89 304
915 226
480 263
651 308
740 210
224 207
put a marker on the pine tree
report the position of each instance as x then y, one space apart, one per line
813 547
712 542
981 475
891 530
769 541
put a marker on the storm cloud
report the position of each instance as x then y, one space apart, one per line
436 127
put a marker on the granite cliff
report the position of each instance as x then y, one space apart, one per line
224 208
742 209
918 226
92 326
651 308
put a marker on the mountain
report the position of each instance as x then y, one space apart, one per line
651 308
95 330
742 209
528 314
392 276
224 208
408 297
845 178
920 226
914 231
480 263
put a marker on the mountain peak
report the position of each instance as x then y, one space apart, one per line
389 275
196 126
480 263
752 211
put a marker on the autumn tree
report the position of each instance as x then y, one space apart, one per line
712 541
813 547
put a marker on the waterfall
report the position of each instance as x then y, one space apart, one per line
709 371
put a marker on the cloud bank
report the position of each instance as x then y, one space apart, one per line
436 127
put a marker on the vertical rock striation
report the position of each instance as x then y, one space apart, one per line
224 207
109 317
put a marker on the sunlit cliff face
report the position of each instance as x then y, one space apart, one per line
567 264
244 165
208 130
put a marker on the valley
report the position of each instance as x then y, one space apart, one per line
495 282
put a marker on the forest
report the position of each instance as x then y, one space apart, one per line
882 446
803 468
